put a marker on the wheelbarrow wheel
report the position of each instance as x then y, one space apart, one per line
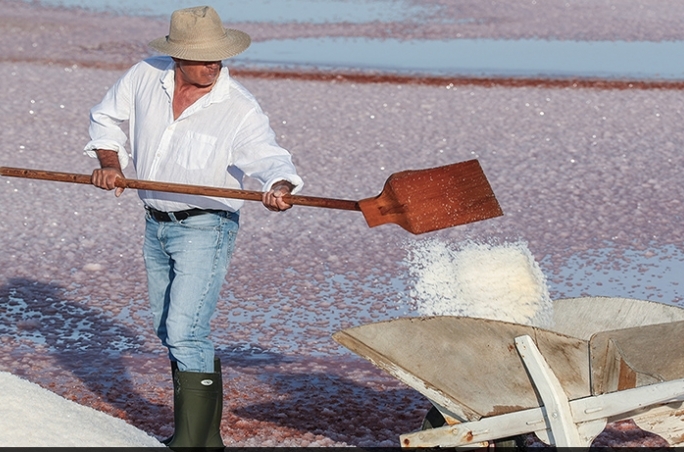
434 419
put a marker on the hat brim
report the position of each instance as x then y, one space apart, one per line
234 43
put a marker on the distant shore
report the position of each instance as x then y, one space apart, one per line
39 34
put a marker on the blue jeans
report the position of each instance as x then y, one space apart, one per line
186 264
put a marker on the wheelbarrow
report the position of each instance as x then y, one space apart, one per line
604 360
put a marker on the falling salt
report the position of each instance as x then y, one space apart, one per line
500 282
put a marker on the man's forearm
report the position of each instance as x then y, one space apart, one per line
108 159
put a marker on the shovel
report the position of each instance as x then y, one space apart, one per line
417 200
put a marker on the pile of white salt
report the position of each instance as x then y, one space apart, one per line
470 279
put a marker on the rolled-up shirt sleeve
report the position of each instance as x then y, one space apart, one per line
258 156
106 119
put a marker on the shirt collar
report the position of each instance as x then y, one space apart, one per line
221 89
218 93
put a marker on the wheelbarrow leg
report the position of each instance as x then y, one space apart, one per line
557 409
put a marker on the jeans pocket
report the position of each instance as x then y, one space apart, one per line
205 222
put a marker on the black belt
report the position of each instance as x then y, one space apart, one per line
180 215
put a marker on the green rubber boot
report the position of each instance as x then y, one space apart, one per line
197 411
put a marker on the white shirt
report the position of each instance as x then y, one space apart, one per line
218 140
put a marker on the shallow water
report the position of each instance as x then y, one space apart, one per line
475 57
654 273
550 57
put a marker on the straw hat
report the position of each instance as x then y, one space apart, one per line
197 34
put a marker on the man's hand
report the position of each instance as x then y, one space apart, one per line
106 177
273 199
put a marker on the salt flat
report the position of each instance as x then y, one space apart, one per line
575 170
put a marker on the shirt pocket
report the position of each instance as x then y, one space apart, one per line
195 149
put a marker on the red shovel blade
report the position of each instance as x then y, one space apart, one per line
427 200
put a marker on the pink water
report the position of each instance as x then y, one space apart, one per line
578 171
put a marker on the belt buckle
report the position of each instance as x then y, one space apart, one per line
181 215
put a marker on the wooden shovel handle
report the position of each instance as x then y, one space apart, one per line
217 192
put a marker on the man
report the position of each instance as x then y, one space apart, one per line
190 123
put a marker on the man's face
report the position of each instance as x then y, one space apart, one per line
199 73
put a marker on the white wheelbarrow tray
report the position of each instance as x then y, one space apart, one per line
606 359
